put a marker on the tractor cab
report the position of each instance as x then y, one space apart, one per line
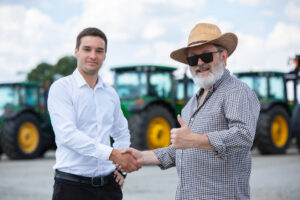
17 96
150 99
137 82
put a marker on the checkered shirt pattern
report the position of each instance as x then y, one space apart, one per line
228 116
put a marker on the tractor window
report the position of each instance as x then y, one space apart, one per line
160 84
191 89
277 87
29 96
131 84
8 97
180 91
256 83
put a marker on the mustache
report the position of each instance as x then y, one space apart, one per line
202 68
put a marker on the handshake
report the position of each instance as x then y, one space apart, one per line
128 160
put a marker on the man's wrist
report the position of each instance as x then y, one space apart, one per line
114 155
196 140
124 174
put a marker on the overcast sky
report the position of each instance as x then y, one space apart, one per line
145 31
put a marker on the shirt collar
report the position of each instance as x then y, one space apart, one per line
81 82
224 76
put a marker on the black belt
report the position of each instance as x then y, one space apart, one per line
96 181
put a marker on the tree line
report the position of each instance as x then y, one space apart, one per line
47 73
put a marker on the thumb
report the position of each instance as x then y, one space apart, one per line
126 150
180 120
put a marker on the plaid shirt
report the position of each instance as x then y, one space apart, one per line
228 117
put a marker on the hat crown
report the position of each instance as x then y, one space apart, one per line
203 32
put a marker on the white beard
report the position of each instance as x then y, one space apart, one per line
216 74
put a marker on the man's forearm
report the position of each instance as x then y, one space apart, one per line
149 158
201 141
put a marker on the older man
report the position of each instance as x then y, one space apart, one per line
212 148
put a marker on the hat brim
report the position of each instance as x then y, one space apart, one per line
227 40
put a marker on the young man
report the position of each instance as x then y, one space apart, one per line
85 112
212 148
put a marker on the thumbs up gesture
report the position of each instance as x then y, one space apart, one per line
182 138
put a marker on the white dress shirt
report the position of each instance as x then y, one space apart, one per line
83 119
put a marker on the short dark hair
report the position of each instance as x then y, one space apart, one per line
91 31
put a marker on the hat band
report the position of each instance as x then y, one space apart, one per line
197 42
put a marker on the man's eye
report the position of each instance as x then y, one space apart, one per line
86 49
99 50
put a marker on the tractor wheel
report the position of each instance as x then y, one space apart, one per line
0 146
295 124
21 137
150 129
298 141
273 131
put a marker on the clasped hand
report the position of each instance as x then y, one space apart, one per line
132 160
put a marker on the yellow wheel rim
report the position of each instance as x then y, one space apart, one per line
28 137
279 131
158 133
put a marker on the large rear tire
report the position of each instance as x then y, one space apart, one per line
0 146
22 137
273 131
150 129
295 124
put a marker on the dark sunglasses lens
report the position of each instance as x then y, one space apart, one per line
193 60
206 58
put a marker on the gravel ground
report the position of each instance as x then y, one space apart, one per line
273 177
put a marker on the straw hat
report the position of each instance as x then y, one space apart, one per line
204 33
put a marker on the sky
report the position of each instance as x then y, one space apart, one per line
145 31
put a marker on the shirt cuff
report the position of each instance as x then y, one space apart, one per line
103 152
163 155
217 143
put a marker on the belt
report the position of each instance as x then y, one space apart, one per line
96 181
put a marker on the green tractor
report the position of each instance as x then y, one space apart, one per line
274 130
150 99
25 128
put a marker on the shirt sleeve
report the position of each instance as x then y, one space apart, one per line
63 121
166 156
241 109
120 132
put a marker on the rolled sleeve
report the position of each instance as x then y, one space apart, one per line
241 109
166 156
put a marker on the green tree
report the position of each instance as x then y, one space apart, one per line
65 66
41 73
45 72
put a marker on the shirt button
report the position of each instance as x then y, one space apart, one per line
192 119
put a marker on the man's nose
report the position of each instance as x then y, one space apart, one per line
93 54
200 62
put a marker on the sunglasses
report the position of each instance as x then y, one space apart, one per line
205 57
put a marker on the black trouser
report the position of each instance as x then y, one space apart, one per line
72 190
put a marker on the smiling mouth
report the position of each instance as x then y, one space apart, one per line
202 69
92 63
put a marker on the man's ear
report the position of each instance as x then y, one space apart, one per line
224 58
76 52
